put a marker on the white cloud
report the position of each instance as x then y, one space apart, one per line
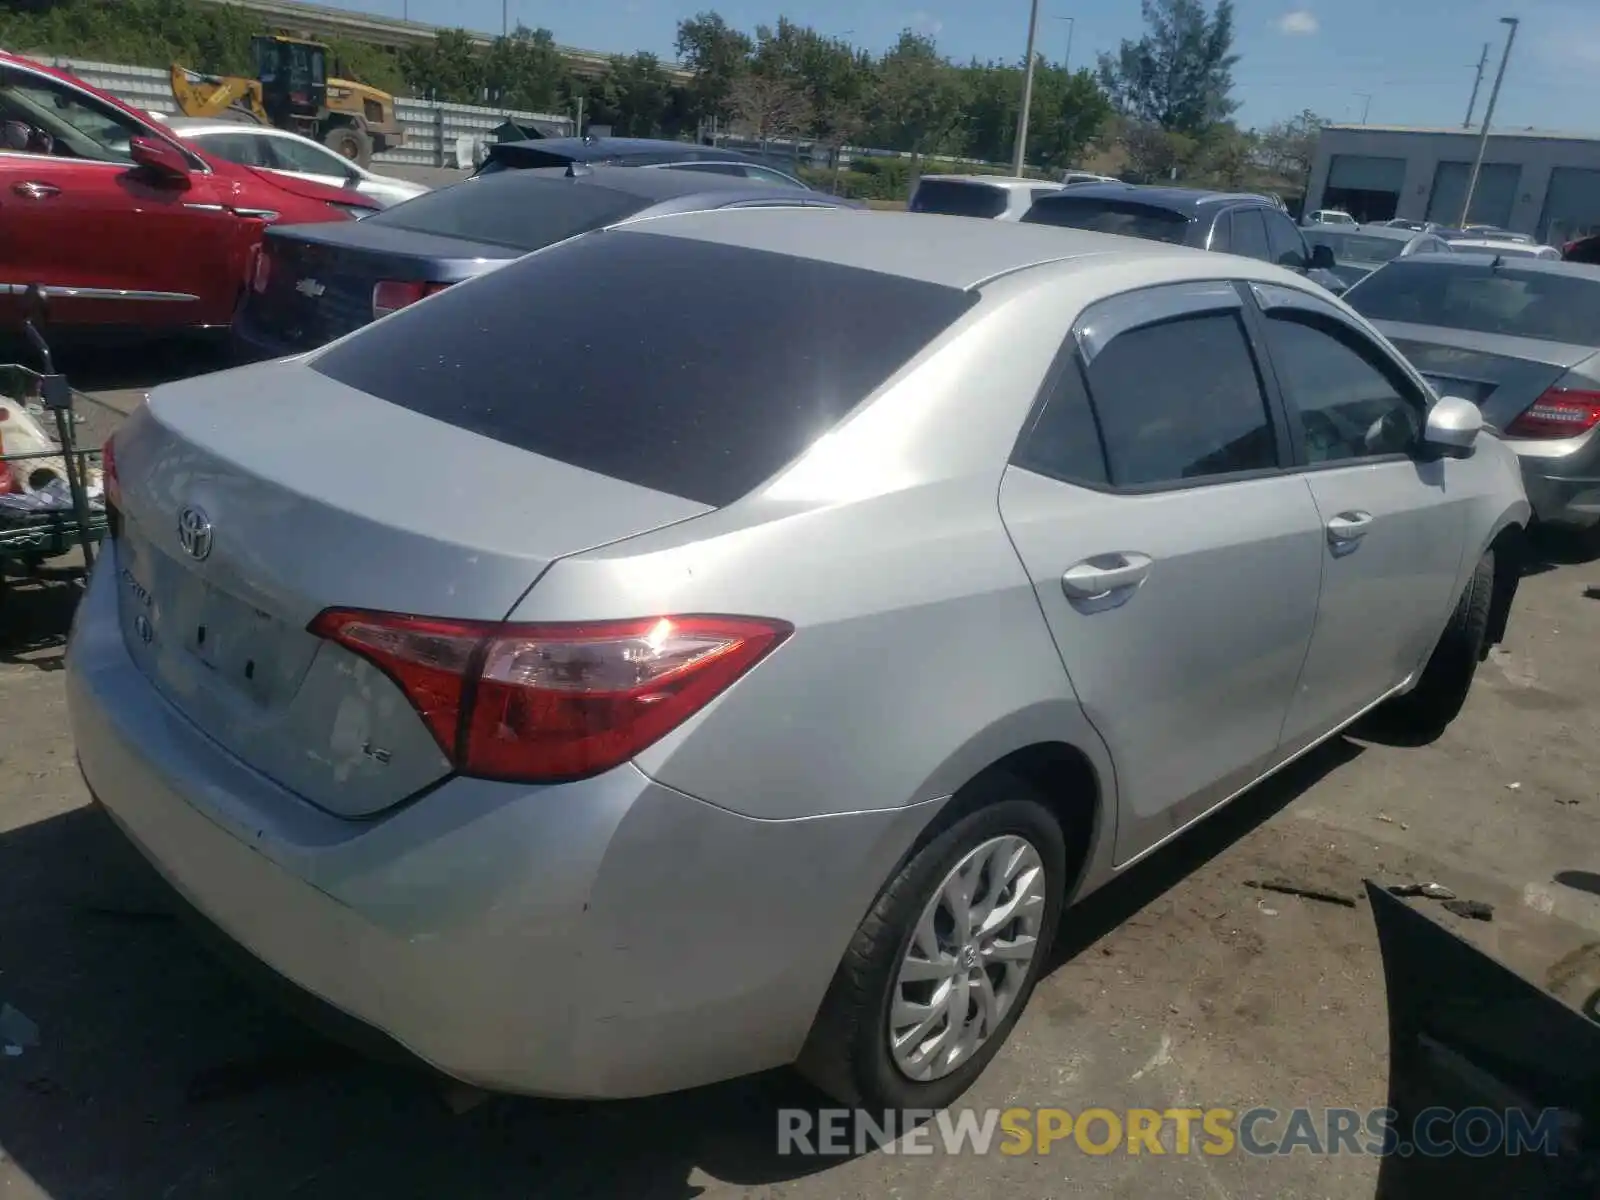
1302 22
926 22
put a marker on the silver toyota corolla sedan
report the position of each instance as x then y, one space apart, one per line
733 639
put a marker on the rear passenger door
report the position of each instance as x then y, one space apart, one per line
1175 556
1395 520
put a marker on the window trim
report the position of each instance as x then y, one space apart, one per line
197 164
1313 311
1137 309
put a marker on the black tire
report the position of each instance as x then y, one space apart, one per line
847 1053
1423 713
350 142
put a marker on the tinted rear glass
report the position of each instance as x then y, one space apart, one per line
519 211
1356 247
1483 299
688 367
958 199
1126 217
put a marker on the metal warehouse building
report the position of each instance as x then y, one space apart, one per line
1546 184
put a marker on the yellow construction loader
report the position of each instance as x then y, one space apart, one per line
292 91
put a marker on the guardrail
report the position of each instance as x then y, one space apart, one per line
437 135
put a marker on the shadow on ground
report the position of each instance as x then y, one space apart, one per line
158 1074
117 365
1549 548
35 617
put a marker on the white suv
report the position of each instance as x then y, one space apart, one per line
991 197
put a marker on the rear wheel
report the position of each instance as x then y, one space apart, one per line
1423 713
349 142
945 961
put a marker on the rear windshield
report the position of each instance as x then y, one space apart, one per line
1357 247
521 212
954 198
1127 217
1483 299
688 367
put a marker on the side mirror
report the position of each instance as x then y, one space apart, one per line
1322 256
160 159
1453 426
352 178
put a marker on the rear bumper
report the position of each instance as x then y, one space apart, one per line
1564 490
609 938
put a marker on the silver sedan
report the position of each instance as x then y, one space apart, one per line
734 639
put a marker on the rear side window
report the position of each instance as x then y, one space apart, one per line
1064 442
523 212
954 199
1110 216
1482 298
1250 234
1181 401
688 367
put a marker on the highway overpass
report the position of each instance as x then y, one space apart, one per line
322 21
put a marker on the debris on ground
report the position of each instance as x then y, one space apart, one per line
17 1032
1513 787
1301 890
1433 891
1472 910
1386 818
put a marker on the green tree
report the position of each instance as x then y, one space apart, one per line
918 103
447 69
1287 147
525 70
635 97
764 106
1179 75
717 55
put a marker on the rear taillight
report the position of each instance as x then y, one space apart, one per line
1559 413
262 274
394 294
541 703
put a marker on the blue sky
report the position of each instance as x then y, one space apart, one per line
1318 54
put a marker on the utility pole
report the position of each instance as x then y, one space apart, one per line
1488 115
1066 59
505 18
1477 82
1019 157
1366 107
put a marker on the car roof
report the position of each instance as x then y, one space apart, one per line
1392 232
1174 199
970 252
588 149
661 185
1009 182
1520 262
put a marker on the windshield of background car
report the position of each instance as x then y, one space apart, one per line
649 358
1127 217
1356 247
520 211
955 199
1483 299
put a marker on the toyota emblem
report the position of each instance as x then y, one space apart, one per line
194 533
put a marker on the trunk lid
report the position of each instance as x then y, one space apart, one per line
311 495
320 279
1502 375
310 189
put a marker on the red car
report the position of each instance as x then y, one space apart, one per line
125 226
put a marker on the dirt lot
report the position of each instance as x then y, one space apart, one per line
158 1075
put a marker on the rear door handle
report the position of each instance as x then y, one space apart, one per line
1349 527
1105 573
34 190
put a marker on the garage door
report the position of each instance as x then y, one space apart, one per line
1571 206
1492 199
1362 173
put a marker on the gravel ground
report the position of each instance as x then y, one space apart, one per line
158 1075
